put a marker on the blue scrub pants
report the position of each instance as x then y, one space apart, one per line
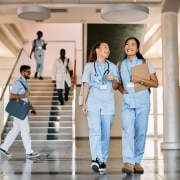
135 124
99 135
39 63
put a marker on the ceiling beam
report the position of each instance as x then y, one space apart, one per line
6 39
152 40
170 6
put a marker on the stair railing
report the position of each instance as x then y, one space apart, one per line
22 58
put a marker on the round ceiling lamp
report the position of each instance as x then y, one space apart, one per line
33 12
124 12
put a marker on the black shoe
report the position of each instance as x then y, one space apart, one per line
35 75
66 98
102 168
95 165
41 78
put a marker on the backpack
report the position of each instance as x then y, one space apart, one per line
119 69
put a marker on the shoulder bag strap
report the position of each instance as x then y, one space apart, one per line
23 85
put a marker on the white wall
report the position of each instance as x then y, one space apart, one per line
57 35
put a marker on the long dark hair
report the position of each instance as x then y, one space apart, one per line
138 54
93 56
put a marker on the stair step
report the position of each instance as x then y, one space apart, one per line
47 93
45 129
45 118
48 103
47 136
45 123
45 143
47 98
52 108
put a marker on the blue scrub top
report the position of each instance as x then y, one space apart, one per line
38 43
134 99
100 100
18 88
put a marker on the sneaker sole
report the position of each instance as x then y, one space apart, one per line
127 171
30 157
10 155
102 170
95 168
138 171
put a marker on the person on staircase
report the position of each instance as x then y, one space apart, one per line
61 76
18 92
38 47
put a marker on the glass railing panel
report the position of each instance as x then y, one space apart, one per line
5 87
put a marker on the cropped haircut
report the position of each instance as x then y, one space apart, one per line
39 33
24 68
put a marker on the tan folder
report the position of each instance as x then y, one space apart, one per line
143 72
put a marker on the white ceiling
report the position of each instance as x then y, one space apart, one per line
77 11
80 11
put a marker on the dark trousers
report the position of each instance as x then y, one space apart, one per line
60 94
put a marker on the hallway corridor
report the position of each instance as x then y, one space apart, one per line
73 163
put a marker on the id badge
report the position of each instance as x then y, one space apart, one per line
103 86
130 84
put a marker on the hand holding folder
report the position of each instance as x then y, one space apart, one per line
143 72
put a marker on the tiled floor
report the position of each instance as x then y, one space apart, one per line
66 164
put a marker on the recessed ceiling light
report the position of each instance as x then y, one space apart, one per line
124 12
34 12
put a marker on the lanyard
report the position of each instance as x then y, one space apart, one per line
102 75
128 69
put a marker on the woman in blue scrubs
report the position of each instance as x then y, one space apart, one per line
99 82
135 106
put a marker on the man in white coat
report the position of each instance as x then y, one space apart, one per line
61 76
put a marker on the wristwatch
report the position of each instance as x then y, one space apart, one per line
142 81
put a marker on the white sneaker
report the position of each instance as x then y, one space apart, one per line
32 155
6 153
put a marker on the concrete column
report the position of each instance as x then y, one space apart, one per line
171 137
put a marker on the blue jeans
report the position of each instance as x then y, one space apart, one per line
39 63
60 95
99 135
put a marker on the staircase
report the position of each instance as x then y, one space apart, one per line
53 124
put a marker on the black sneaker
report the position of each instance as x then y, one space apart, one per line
6 153
41 78
95 166
102 168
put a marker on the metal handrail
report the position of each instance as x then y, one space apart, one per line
7 83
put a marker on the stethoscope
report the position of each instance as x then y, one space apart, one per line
105 72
